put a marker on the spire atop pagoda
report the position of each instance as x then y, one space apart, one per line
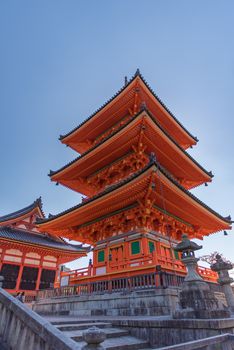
137 73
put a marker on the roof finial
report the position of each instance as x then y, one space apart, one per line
211 174
38 202
137 72
125 80
229 218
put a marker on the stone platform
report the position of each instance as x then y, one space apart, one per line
154 302
145 315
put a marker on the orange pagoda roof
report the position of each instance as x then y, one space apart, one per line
190 209
169 154
127 102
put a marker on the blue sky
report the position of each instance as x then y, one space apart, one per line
61 60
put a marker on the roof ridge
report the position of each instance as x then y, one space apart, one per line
61 137
23 211
137 74
45 238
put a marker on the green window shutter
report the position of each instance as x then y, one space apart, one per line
101 256
151 246
135 247
176 255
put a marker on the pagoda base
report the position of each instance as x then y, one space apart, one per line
158 302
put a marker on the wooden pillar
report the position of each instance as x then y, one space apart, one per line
57 272
39 274
157 253
2 257
17 287
126 254
107 253
94 262
145 248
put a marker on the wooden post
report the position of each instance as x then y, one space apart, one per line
17 287
39 274
145 249
2 257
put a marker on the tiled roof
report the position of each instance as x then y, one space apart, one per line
24 211
53 172
129 179
118 93
38 239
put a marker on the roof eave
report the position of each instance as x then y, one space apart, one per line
65 138
133 177
53 174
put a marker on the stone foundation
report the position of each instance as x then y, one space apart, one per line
167 332
141 303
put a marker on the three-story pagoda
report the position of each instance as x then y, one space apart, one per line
136 175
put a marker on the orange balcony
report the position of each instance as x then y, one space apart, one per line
132 267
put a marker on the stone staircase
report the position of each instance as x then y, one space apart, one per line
116 339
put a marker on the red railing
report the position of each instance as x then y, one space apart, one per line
167 264
158 279
207 274
139 282
75 274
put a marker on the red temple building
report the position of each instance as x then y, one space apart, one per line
136 176
29 259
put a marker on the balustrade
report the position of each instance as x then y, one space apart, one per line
153 280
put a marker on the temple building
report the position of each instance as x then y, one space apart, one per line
30 260
136 177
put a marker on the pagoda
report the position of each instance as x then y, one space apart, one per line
30 260
136 177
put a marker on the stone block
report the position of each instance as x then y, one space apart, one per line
149 302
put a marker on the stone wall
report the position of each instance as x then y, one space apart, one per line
21 328
139 303
165 332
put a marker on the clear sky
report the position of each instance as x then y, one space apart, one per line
61 60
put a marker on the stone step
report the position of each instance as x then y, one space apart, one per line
110 333
122 343
79 326
65 321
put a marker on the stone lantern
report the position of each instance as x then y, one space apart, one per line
222 267
196 300
187 248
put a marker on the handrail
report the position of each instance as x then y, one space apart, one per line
21 328
153 280
150 260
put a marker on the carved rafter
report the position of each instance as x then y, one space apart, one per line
144 215
113 129
119 170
